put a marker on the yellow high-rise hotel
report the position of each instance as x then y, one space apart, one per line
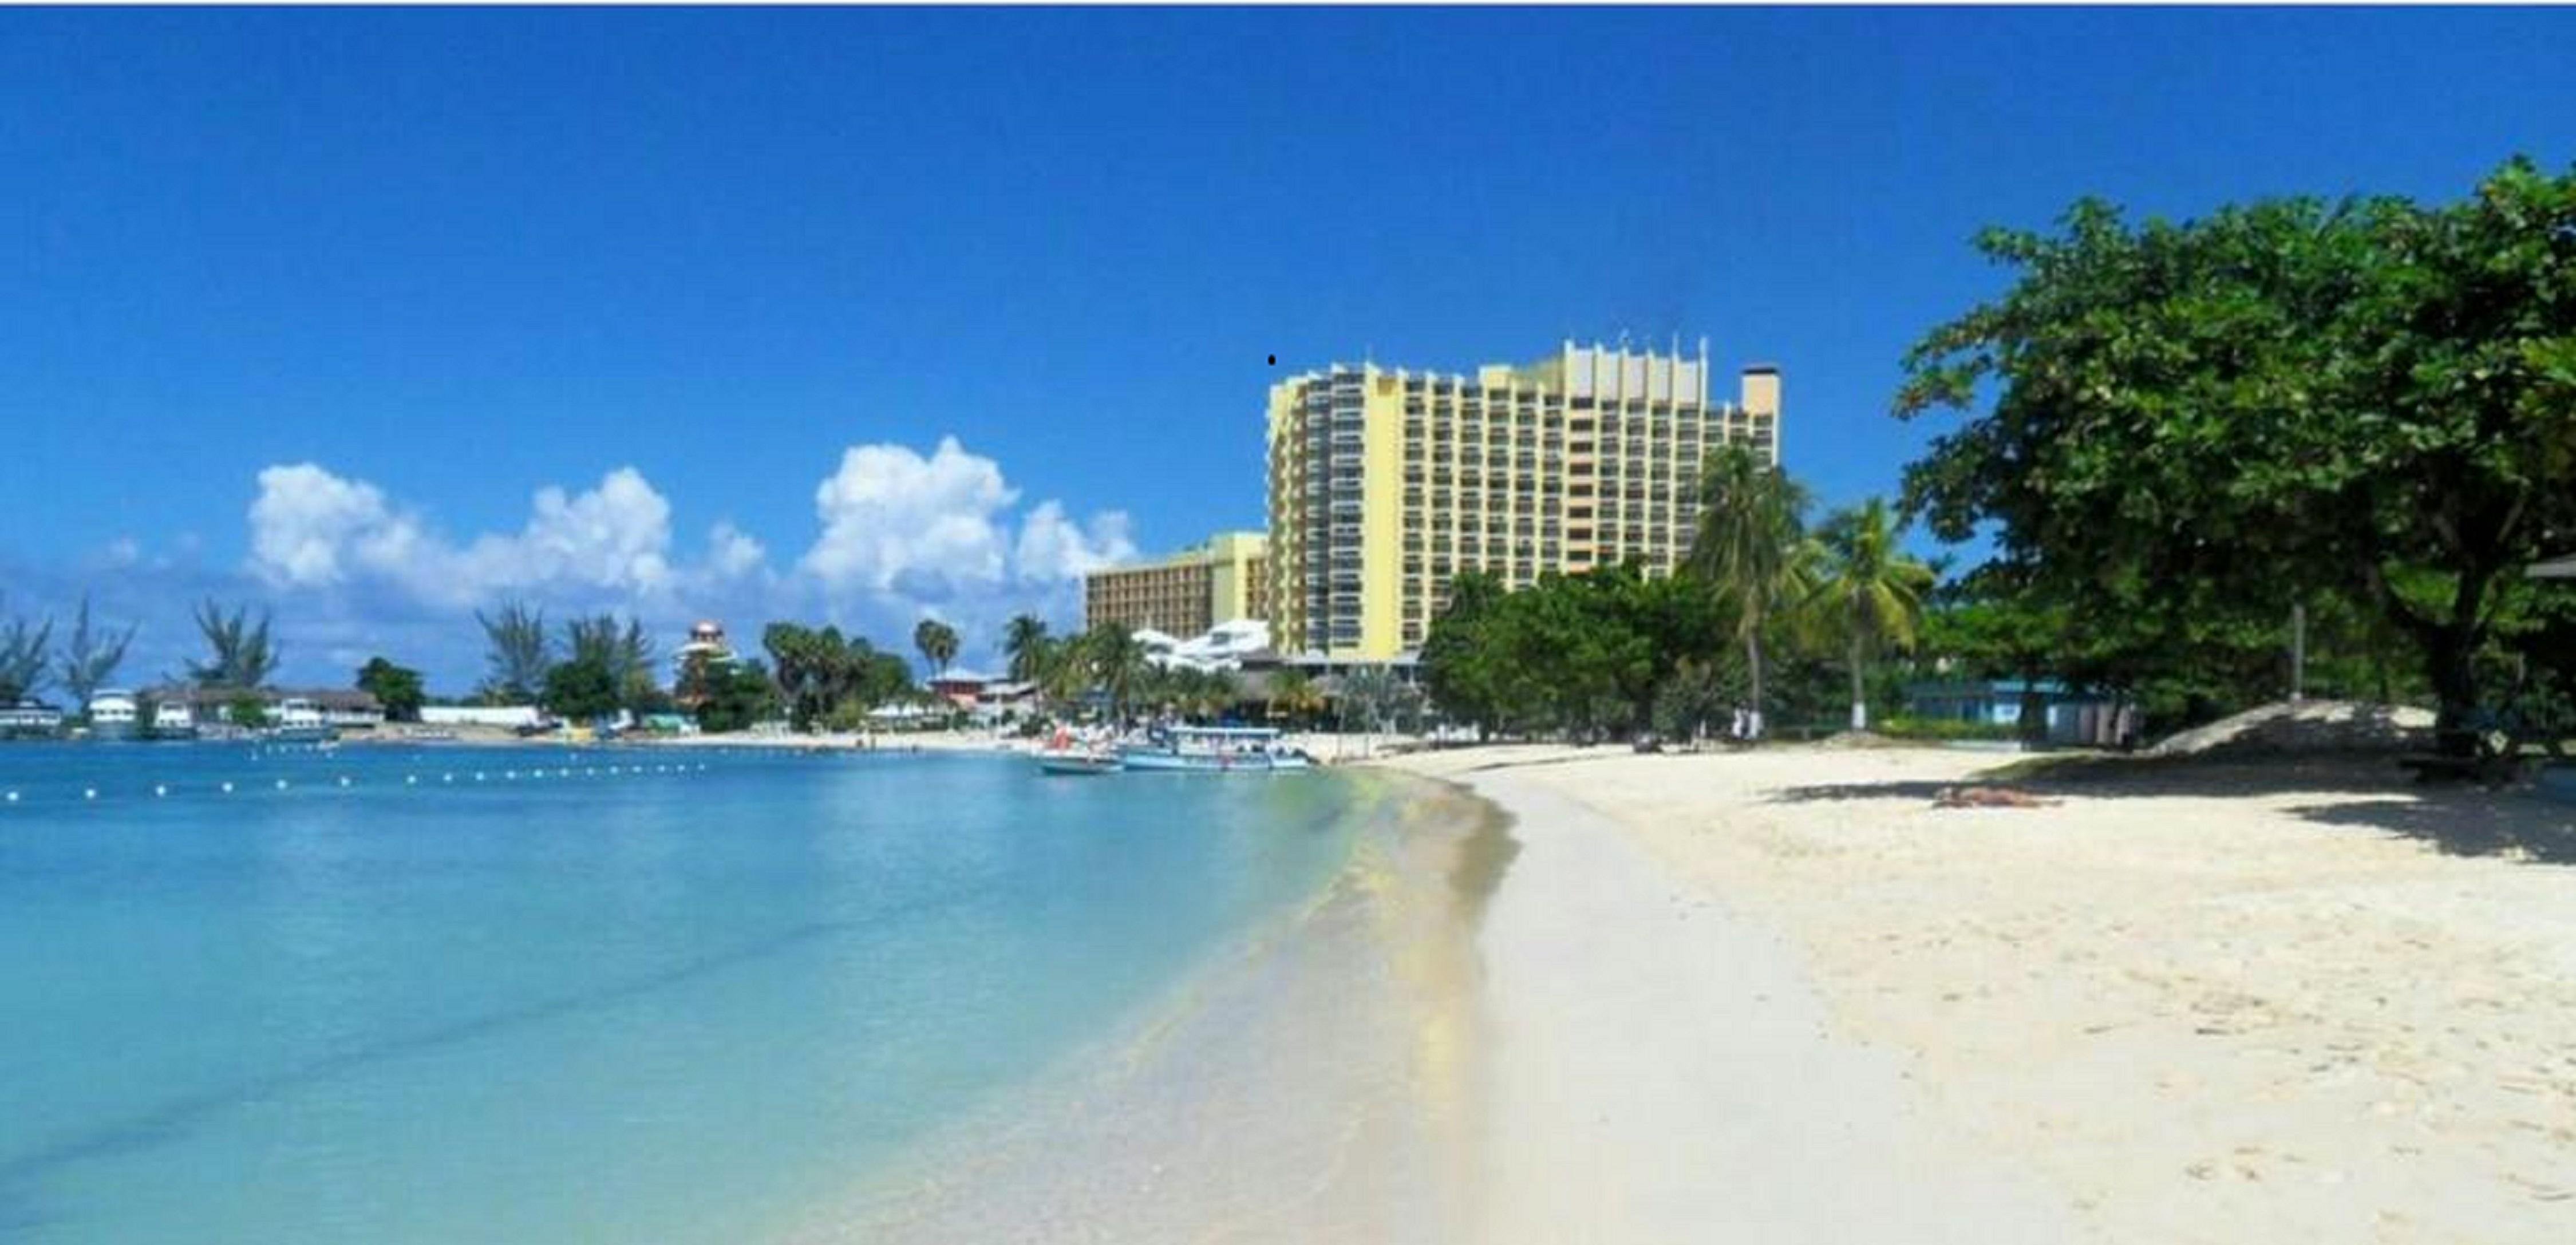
1384 484
1187 593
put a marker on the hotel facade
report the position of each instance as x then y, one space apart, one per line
1186 594
1384 484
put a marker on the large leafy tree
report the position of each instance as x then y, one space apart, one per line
516 653
1751 547
22 657
2174 423
583 689
623 649
239 652
1116 664
1869 592
397 688
90 658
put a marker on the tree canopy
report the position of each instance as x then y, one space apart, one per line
239 652
2209 420
397 688
516 653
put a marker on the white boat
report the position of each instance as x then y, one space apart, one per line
113 714
1214 750
30 719
300 721
1079 763
171 719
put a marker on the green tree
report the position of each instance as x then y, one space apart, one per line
622 648
581 690
1750 547
516 655
1870 592
239 652
1024 642
937 642
2371 399
737 696
397 688
1294 698
22 657
247 711
89 659
1115 663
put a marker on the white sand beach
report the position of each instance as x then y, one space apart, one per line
1780 996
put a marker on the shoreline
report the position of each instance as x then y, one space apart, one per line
1663 1070
1314 1079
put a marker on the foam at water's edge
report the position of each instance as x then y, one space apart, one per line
1319 1077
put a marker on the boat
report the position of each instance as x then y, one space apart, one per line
171 719
1213 750
30 719
300 721
1066 755
113 714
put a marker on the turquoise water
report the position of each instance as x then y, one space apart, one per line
663 1006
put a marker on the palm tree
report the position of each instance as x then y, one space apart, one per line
1751 525
1293 693
1117 663
937 642
1869 590
1025 643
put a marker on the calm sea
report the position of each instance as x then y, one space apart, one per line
534 995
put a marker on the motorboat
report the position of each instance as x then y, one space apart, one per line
300 721
1213 750
171 719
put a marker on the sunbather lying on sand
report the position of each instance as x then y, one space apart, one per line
1988 797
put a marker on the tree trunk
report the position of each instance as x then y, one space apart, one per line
2448 653
1860 697
1753 663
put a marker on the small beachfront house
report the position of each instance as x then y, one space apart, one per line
2074 717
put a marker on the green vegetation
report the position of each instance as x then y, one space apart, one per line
2367 407
239 652
937 642
22 658
625 652
246 710
1582 655
516 655
89 659
824 678
1025 644
1750 546
581 690
1869 591
397 688
731 697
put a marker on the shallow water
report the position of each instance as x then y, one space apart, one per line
666 1005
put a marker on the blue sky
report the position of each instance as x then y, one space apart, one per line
376 316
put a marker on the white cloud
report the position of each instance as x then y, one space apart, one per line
732 553
900 535
1053 547
311 528
892 517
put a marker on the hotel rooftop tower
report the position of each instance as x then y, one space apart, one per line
1385 484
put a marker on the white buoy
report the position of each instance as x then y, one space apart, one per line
344 780
160 789
89 793
13 797
478 775
411 780
281 784
228 788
